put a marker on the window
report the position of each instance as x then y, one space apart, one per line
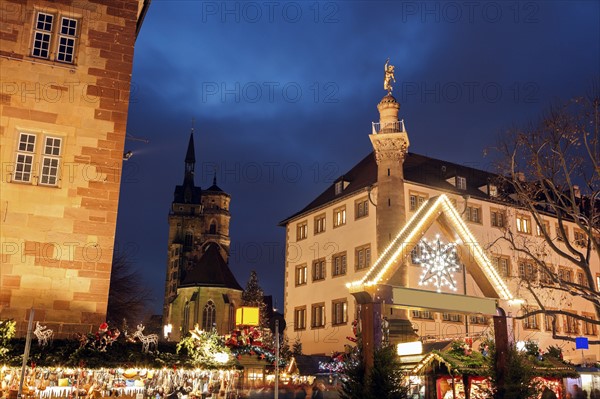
300 318
473 214
452 317
422 314
339 187
209 316
339 311
42 34
571 325
415 200
301 274
546 275
319 269
527 271
24 163
565 274
339 216
362 257
502 264
497 218
338 264
549 323
461 183
51 153
66 40
361 208
213 228
189 238
478 319
589 328
545 228
317 315
66 37
598 282
320 224
301 231
580 238
523 224
559 235
581 280
531 322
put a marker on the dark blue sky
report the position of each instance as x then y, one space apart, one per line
284 93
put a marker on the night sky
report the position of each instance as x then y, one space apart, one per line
284 93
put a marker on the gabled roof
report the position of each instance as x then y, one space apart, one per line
419 169
210 270
436 209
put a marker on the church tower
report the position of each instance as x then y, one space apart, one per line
198 274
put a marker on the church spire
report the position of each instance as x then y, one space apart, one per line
190 160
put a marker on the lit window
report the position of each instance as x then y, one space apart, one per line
319 270
301 274
339 310
461 183
24 162
338 262
523 224
362 257
497 218
50 161
300 318
339 216
320 224
544 228
301 231
318 315
361 208
473 214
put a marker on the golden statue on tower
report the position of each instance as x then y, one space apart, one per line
388 76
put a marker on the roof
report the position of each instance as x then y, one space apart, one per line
179 195
417 169
210 270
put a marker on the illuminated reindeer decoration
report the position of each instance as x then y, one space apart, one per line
145 339
43 335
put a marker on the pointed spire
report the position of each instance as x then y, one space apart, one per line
190 157
215 178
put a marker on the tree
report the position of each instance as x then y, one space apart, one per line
297 347
127 299
551 171
254 295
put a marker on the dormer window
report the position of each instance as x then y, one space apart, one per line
340 186
461 183
493 190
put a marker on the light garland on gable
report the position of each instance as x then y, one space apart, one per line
439 261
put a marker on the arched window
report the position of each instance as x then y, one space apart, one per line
231 316
185 325
209 316
213 228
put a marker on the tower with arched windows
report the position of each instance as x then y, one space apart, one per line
199 287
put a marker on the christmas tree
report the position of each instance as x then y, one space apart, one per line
253 296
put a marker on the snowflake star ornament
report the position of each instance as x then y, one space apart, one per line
439 262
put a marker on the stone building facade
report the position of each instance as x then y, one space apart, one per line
200 288
335 240
66 75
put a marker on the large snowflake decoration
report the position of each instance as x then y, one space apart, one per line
439 261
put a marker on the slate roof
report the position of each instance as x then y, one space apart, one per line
179 195
210 270
419 169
